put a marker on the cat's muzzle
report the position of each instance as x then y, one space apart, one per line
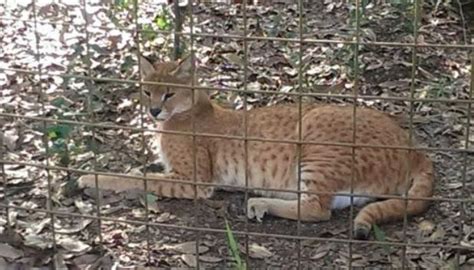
155 111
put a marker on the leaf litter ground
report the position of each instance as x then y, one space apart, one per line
384 71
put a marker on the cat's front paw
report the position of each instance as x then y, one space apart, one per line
256 208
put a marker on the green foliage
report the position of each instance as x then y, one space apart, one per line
58 132
163 20
406 10
58 139
380 236
234 248
123 4
402 3
362 13
58 135
151 198
442 87
347 55
122 13
148 33
60 102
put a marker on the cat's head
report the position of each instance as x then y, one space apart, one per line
165 101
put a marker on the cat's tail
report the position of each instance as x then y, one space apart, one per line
422 185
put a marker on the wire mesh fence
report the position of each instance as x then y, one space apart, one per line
181 30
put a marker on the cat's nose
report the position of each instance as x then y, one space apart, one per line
155 111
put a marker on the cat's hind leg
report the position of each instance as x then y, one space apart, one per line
313 206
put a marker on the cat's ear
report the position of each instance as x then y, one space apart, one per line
185 68
146 68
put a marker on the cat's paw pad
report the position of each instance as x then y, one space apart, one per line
256 208
86 181
361 231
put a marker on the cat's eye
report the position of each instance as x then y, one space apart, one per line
167 96
147 93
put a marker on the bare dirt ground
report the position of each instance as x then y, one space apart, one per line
108 50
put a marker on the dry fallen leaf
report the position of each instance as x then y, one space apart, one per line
59 262
455 185
81 225
41 242
164 217
426 227
9 138
187 248
85 259
189 260
320 255
74 245
258 252
438 234
233 59
38 227
210 259
9 252
84 207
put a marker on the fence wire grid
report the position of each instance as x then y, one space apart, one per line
180 31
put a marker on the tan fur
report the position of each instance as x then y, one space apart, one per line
273 165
